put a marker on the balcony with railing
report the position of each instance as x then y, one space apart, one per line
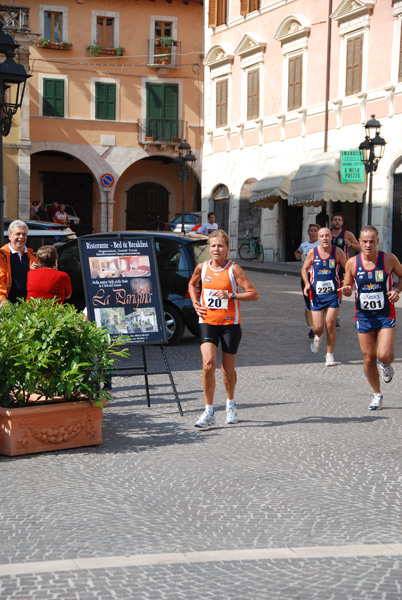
162 131
164 52
14 18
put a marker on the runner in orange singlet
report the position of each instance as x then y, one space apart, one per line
219 319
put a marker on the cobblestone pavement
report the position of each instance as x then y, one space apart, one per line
300 500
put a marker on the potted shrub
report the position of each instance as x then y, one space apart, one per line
53 370
97 50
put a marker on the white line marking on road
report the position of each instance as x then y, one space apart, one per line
137 560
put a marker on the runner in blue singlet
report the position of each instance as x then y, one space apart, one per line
371 272
322 286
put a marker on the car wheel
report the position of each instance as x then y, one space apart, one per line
194 329
174 324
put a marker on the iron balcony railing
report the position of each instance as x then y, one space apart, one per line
161 130
164 53
14 18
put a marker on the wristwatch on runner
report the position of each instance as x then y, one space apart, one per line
233 296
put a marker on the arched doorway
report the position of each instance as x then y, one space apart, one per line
147 206
57 176
221 198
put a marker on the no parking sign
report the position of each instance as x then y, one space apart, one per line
107 180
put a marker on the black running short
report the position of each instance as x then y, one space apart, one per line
230 336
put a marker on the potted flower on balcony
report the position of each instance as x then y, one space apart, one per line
168 41
97 50
54 45
53 370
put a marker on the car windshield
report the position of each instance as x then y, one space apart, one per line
201 251
187 219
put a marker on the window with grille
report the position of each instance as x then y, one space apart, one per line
53 98
105 101
253 94
295 82
221 103
354 65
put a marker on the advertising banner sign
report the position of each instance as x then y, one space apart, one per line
121 283
352 167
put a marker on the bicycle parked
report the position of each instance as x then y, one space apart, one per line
252 249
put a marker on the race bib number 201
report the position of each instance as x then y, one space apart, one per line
211 301
372 301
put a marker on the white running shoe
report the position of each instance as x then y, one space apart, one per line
206 420
376 402
387 372
329 360
231 415
316 343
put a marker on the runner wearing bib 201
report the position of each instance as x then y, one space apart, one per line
324 281
371 272
373 308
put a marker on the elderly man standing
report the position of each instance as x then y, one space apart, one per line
15 261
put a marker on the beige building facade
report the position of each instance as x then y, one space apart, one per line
290 83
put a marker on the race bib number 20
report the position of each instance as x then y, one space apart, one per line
211 301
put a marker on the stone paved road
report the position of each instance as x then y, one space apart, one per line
300 500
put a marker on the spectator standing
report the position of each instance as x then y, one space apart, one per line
15 262
209 226
47 281
42 212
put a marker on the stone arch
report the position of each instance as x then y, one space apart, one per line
249 214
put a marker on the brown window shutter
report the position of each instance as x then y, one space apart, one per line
213 13
254 5
221 102
354 66
244 7
294 82
221 12
253 94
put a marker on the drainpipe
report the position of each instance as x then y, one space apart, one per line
328 75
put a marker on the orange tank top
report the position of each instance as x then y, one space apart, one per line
219 312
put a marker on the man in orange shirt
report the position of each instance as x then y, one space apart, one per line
15 261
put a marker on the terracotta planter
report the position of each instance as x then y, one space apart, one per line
54 46
33 429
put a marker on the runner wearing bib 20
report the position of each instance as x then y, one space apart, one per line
322 286
219 320
371 273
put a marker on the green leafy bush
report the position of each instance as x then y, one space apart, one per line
49 349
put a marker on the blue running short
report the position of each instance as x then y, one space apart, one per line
364 325
230 336
331 302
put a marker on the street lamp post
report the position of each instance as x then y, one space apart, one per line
13 78
186 159
373 150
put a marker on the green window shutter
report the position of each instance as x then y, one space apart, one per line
53 98
105 101
162 110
